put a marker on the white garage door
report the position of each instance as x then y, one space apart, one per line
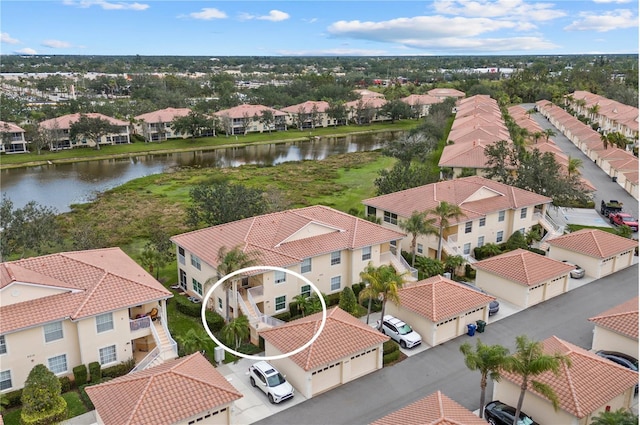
363 363
326 378
554 288
446 330
536 294
606 267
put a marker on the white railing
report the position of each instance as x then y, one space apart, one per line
257 291
271 321
412 271
257 316
141 323
246 311
153 354
172 342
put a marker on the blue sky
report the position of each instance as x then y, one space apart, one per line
318 28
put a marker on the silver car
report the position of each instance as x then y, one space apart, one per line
577 272
400 332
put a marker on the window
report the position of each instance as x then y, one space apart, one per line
57 364
420 248
483 221
366 253
390 217
280 276
104 322
467 248
371 211
305 290
53 332
335 258
220 303
468 226
197 286
3 345
5 380
501 216
108 355
523 213
335 283
480 240
281 303
181 255
183 279
499 236
305 266
195 262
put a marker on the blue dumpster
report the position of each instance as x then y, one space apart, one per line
471 329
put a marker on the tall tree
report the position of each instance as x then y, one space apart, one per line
549 133
384 283
229 261
529 361
236 331
444 212
337 113
616 417
417 225
266 118
194 123
489 360
92 128
573 166
348 300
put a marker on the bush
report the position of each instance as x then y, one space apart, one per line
333 299
119 370
84 397
391 357
57 413
95 372
538 251
80 374
42 403
13 398
348 300
389 347
285 317
293 308
214 320
469 272
65 384
183 305
357 287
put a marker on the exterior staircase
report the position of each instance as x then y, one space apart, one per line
168 349
553 230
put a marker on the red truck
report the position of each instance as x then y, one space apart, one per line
621 218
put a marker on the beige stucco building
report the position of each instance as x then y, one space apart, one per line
617 329
156 126
59 129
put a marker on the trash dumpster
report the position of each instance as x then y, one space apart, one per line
471 329
481 324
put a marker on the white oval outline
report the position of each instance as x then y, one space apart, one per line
249 356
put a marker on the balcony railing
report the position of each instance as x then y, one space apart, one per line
141 323
153 354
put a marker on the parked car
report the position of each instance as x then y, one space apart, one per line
622 359
621 218
577 272
270 381
494 306
611 207
498 413
400 332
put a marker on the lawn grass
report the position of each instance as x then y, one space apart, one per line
75 407
575 227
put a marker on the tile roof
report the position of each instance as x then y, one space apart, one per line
622 319
274 236
420 99
242 111
363 93
438 298
163 115
590 382
176 390
435 409
632 176
307 107
91 282
9 127
440 92
524 267
65 121
342 336
476 196
366 102
594 243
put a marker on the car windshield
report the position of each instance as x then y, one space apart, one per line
525 420
628 219
275 380
404 329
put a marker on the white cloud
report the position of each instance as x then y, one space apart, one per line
26 51
208 13
274 16
106 5
6 38
603 22
56 44
310 21
514 9
612 1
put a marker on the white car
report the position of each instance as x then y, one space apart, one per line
270 381
400 332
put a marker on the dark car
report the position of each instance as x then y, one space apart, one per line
498 413
494 306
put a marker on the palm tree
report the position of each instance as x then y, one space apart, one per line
536 136
230 261
236 331
530 360
605 141
384 282
193 340
417 225
444 212
303 303
549 133
453 262
573 166
618 417
488 359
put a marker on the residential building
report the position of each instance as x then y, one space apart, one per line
522 277
427 306
443 93
616 329
13 140
73 308
420 103
345 350
364 94
328 247
183 391
309 115
366 110
247 118
156 126
434 409
492 212
611 115
598 252
60 128
590 386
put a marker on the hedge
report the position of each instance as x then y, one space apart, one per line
65 384
391 357
13 398
95 372
389 347
80 374
285 317
119 370
214 320
57 414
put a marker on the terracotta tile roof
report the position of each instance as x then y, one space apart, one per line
166 394
368 93
524 267
163 115
367 102
616 153
624 164
438 298
594 243
622 319
476 196
611 109
342 336
420 99
307 107
9 127
435 409
466 155
631 176
445 92
273 236
242 111
590 383
90 282
65 121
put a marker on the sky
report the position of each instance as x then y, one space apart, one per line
318 28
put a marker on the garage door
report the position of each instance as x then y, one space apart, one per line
446 330
606 267
363 363
326 378
536 294
554 288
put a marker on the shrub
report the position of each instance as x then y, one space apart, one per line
390 346
293 308
469 272
214 320
391 357
357 287
84 397
80 374
348 300
41 400
13 398
286 316
119 370
65 384
183 305
57 413
95 372
538 251
333 299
